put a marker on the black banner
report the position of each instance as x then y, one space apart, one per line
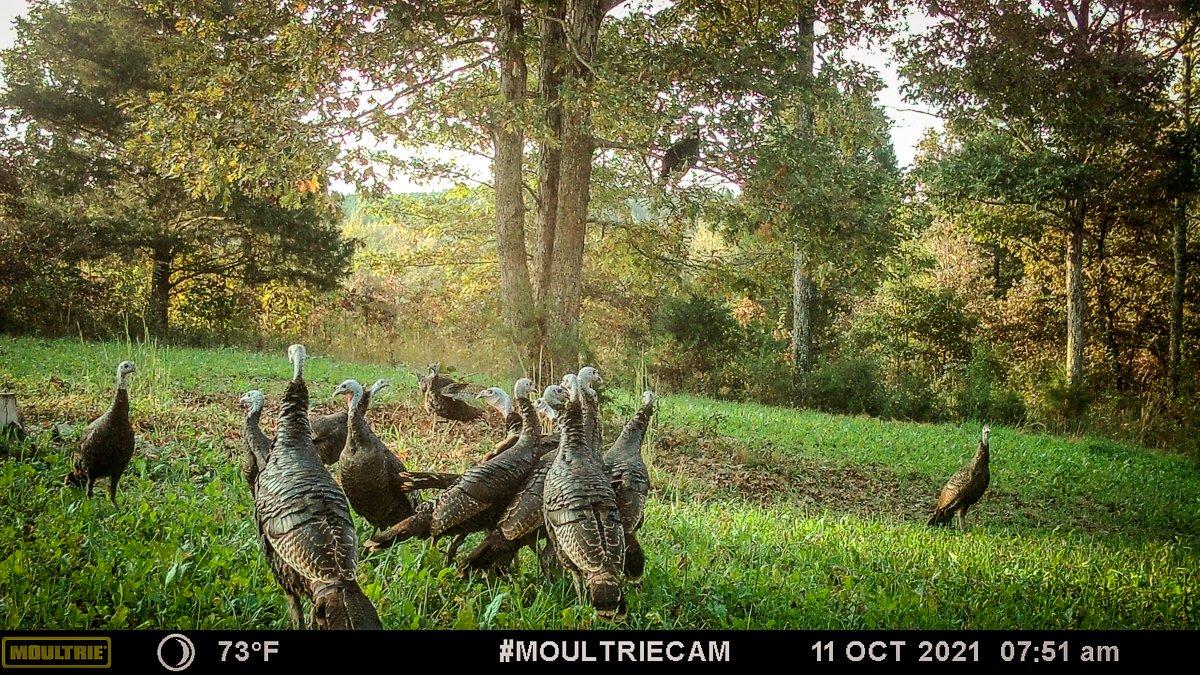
262 651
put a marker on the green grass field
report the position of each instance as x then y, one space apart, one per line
760 517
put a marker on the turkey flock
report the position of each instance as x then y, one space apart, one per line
549 486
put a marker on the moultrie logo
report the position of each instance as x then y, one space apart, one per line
57 652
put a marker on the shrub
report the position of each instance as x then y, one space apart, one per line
849 384
759 372
698 323
911 396
982 391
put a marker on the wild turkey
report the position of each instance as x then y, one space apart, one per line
476 502
523 521
257 444
373 478
631 482
683 154
548 412
329 431
304 521
106 447
592 428
965 487
582 516
369 471
498 399
446 398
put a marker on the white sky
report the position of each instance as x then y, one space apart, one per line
908 125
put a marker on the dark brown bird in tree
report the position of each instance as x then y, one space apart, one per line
583 520
681 156
257 445
329 431
477 501
446 398
107 443
304 521
631 482
523 523
964 488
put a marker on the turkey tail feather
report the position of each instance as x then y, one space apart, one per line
605 594
492 552
427 480
940 517
416 525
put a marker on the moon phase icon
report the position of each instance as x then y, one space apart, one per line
187 653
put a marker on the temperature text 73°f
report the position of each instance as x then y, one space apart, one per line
244 650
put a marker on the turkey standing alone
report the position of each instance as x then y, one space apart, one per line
965 487
446 398
582 516
523 522
631 482
304 521
476 502
329 431
107 443
257 444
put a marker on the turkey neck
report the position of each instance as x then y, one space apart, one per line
635 431
982 456
359 405
530 425
120 402
294 429
360 430
591 420
571 444
506 406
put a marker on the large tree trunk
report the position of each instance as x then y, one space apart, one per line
549 163
1179 240
802 296
802 284
1075 298
159 300
1104 305
508 135
582 31
1179 244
